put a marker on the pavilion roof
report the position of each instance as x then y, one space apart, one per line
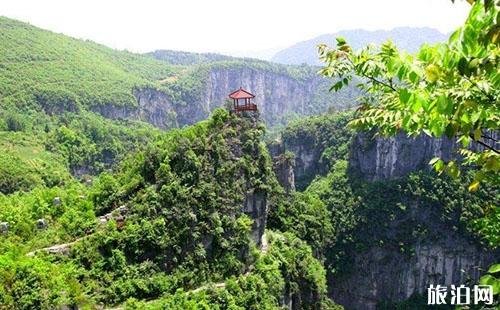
241 94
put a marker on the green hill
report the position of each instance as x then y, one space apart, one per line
41 66
192 220
54 90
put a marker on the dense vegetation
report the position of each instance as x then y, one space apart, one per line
148 219
61 73
341 215
184 227
55 73
39 149
187 58
449 89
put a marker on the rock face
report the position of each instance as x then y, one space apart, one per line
4 227
283 167
256 208
278 95
388 158
307 163
153 106
385 274
297 161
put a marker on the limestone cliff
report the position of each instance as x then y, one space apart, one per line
281 93
445 256
297 162
278 94
382 158
398 251
383 273
153 106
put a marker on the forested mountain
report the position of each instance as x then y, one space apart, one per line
187 58
406 38
126 182
59 73
187 211
386 225
78 106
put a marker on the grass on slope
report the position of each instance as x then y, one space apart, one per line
24 162
40 65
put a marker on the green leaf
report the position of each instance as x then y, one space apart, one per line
404 95
474 186
337 86
494 268
487 280
432 73
491 280
413 77
434 160
462 66
477 134
439 166
444 105
418 103
340 41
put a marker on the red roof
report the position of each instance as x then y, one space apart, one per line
240 94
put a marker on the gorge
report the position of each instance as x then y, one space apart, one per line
127 182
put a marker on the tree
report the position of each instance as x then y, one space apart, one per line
448 89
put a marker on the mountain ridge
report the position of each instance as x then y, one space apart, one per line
406 38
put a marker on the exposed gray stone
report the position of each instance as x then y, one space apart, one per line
122 210
41 224
256 207
283 166
387 158
119 214
383 273
277 96
56 201
4 227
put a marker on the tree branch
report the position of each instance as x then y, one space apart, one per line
379 82
374 79
489 137
489 147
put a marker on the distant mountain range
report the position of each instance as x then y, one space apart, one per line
406 38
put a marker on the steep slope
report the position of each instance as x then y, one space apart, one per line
187 58
188 211
406 38
394 226
55 73
62 73
83 106
282 93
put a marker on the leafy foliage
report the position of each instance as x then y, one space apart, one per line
448 89
61 73
492 277
288 269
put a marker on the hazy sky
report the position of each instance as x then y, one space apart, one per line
226 26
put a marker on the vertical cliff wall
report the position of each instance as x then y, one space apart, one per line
442 254
280 95
277 94
376 158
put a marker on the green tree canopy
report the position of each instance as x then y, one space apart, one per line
449 89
